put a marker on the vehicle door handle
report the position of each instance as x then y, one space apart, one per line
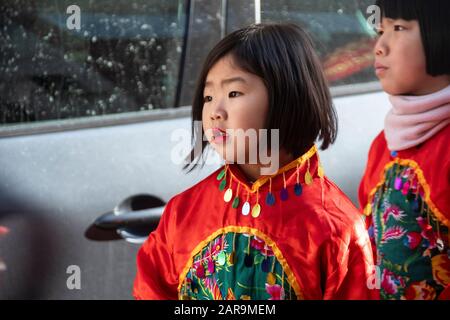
132 220
112 220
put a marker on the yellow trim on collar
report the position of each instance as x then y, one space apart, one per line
262 180
255 232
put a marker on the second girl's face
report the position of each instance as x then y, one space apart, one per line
233 99
400 61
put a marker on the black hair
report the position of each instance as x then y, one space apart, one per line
432 16
283 56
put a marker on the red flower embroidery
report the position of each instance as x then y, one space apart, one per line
427 232
392 233
261 246
390 282
413 239
276 291
394 212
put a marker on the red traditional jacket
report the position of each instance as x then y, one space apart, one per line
406 197
293 235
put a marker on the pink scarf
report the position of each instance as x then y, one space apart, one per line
414 119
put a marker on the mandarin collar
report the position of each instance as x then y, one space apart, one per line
309 161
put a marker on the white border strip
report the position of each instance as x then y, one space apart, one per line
257 11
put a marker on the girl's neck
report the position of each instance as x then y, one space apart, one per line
253 171
439 83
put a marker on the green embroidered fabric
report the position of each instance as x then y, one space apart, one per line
412 246
236 266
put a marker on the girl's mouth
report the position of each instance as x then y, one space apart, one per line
219 135
379 68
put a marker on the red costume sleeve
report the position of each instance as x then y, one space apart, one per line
351 278
156 278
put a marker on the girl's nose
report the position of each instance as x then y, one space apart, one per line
380 48
218 113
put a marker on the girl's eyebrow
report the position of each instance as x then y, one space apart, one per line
392 21
227 81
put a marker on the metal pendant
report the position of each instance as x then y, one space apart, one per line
265 265
271 279
235 203
221 174
228 195
256 211
270 199
223 184
308 178
320 172
298 189
440 245
398 183
246 208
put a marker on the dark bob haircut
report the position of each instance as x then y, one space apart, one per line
432 16
283 56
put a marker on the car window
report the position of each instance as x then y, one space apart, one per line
339 28
124 57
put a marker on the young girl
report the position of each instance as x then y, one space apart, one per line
242 235
406 187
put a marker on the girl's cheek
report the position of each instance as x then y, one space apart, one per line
204 114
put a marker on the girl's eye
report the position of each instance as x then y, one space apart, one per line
207 99
234 94
399 28
379 32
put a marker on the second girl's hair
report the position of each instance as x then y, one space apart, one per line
434 22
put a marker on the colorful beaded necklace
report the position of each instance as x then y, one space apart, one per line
270 198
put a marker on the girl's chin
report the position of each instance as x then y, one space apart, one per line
392 90
399 90
230 157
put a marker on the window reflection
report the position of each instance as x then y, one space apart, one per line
126 57
339 29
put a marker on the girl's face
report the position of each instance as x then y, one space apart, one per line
400 61
233 99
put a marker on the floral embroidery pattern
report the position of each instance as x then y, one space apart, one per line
390 282
392 211
393 233
236 266
276 291
411 244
